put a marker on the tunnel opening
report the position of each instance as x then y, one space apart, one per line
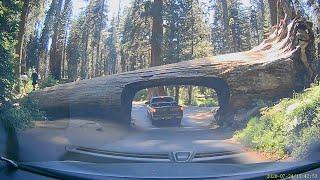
174 106
217 85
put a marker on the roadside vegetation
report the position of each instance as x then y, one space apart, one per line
19 111
26 87
288 128
18 116
48 82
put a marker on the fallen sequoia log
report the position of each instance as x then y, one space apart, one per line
280 65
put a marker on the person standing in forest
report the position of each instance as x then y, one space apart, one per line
35 78
24 78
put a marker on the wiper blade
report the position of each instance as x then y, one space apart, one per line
32 169
9 162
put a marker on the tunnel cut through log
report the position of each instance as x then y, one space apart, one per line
218 84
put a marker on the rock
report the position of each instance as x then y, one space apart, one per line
291 108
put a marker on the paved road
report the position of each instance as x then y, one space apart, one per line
194 117
47 140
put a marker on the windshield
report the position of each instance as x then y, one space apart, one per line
162 100
188 81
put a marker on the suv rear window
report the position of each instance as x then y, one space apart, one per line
162 100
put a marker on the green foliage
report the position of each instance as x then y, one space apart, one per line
236 27
19 117
32 106
9 18
75 48
15 118
48 82
136 37
111 46
263 103
26 87
186 34
141 95
288 128
48 28
205 102
201 96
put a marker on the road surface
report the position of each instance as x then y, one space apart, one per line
193 117
47 141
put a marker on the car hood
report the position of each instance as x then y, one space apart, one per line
75 169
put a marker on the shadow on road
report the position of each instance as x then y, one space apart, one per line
47 141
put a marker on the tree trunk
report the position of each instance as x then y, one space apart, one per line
101 63
157 33
97 69
98 61
56 46
273 12
225 16
318 47
157 38
161 91
192 54
262 8
85 61
21 67
316 14
189 95
55 65
177 94
280 12
92 63
64 55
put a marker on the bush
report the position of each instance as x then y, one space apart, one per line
306 138
26 87
33 107
287 128
15 118
141 95
205 102
19 117
48 82
202 97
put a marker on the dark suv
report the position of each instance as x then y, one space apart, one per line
164 109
